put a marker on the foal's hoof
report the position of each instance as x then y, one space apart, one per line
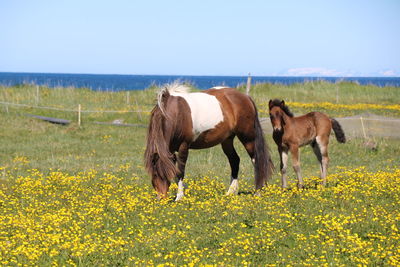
300 186
285 188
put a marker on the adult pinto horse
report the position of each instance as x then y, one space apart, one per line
182 120
291 132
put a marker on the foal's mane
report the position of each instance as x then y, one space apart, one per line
281 104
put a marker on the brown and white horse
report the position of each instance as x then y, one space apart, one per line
291 132
182 120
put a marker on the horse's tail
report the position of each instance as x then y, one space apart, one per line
263 165
339 133
158 158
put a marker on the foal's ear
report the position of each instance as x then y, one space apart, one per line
270 104
282 103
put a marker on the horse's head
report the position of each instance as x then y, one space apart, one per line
160 185
276 114
159 160
162 173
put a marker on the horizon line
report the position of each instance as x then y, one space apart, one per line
202 75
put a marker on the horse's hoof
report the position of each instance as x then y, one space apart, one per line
232 192
179 197
233 188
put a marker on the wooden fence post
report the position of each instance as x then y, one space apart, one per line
138 110
37 95
127 97
248 84
79 114
363 128
337 93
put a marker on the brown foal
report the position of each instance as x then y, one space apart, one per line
290 133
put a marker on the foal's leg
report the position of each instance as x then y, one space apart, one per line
183 153
296 164
317 152
234 160
283 154
323 142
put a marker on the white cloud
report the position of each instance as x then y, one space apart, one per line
388 73
313 72
324 72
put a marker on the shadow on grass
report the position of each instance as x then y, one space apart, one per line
245 193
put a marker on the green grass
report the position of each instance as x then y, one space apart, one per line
105 148
72 148
86 184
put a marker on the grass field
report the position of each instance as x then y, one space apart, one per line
79 195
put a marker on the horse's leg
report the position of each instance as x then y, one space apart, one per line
322 142
250 148
183 153
234 160
296 164
283 155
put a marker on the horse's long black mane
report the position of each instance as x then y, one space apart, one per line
282 105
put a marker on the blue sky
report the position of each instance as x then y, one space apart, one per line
307 38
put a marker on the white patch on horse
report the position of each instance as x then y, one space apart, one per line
205 110
172 88
219 87
284 167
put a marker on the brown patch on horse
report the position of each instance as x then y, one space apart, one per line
225 128
240 113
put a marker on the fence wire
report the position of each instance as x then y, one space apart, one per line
72 110
365 125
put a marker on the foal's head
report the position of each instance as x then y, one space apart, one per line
277 109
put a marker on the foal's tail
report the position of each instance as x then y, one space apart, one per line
263 165
339 133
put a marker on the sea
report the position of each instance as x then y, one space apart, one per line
116 82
